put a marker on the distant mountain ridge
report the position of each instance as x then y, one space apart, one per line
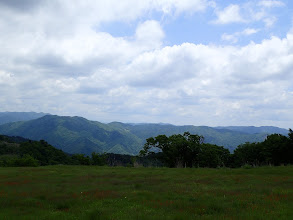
7 117
79 135
256 130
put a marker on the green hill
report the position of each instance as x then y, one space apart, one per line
75 135
79 135
18 151
222 137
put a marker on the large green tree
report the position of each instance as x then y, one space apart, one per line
276 149
187 150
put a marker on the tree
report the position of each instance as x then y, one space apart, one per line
213 156
81 159
289 154
276 149
99 159
27 161
250 153
178 150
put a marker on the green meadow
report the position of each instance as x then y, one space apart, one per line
93 192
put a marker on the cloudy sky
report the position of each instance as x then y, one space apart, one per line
196 62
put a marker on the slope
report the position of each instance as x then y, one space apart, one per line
75 135
222 137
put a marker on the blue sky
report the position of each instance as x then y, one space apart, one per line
199 62
200 28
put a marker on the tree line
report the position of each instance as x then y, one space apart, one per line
189 150
178 150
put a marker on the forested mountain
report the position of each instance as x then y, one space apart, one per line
18 151
79 135
75 135
222 137
256 130
7 117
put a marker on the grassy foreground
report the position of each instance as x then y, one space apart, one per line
82 192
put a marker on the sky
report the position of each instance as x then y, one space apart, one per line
184 62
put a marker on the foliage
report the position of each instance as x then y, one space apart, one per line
189 150
213 156
99 159
45 153
78 135
276 149
81 159
30 153
186 150
75 135
16 161
26 161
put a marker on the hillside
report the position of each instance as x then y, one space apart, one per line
229 138
18 151
79 135
256 130
7 117
75 135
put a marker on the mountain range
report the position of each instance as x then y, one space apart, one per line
79 135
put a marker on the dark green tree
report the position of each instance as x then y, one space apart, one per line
81 159
26 161
99 159
177 150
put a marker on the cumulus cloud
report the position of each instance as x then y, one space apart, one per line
150 34
248 13
230 14
55 59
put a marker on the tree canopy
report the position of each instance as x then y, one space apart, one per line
187 150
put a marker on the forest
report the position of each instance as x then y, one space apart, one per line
179 150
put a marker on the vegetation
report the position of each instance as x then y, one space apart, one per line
187 150
275 150
17 151
78 135
134 192
93 192
190 151
75 135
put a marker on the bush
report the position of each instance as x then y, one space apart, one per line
8 160
27 161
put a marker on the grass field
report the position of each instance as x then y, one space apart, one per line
82 192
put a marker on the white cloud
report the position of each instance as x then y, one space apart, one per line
233 38
248 13
230 37
150 34
230 14
269 21
271 3
53 58
249 31
184 84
